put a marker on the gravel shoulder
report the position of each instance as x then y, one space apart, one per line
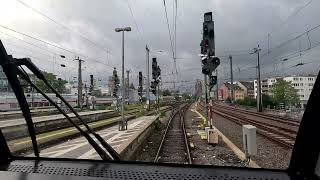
269 154
205 154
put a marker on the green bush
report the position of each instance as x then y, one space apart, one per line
162 114
247 101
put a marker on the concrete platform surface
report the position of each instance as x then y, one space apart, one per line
21 121
79 147
32 111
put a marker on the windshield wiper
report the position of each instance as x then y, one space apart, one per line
10 71
27 62
18 70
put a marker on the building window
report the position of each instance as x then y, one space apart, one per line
300 79
301 84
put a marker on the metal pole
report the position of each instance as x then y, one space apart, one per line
206 94
231 79
217 86
148 79
128 85
259 101
122 86
79 84
32 91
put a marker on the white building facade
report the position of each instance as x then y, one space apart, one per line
303 85
266 86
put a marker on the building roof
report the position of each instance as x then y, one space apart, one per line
235 86
247 84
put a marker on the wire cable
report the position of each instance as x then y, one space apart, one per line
134 20
166 13
53 45
29 43
63 26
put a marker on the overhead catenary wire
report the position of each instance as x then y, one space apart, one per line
135 21
292 39
294 13
53 45
169 31
64 26
29 43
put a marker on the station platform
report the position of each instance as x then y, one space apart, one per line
17 128
18 114
124 142
21 121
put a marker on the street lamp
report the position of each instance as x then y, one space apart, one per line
123 124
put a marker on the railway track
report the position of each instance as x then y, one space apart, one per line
279 130
174 146
284 120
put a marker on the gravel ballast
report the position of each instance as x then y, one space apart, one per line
205 154
269 154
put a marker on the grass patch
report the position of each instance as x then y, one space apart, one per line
162 114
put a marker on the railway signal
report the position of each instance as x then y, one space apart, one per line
91 84
154 68
208 35
140 85
212 81
153 87
116 82
209 61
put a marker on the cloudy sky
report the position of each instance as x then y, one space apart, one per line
86 29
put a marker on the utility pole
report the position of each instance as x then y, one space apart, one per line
231 79
206 93
79 82
148 78
128 85
259 97
217 85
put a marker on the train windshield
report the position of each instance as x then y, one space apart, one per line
222 83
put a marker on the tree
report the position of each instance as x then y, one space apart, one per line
166 92
268 100
57 84
284 92
96 93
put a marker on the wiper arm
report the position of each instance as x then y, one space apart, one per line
27 62
98 149
9 68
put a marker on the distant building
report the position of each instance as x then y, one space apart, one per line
303 85
248 88
225 91
266 86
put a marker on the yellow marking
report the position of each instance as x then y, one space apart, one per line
192 146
